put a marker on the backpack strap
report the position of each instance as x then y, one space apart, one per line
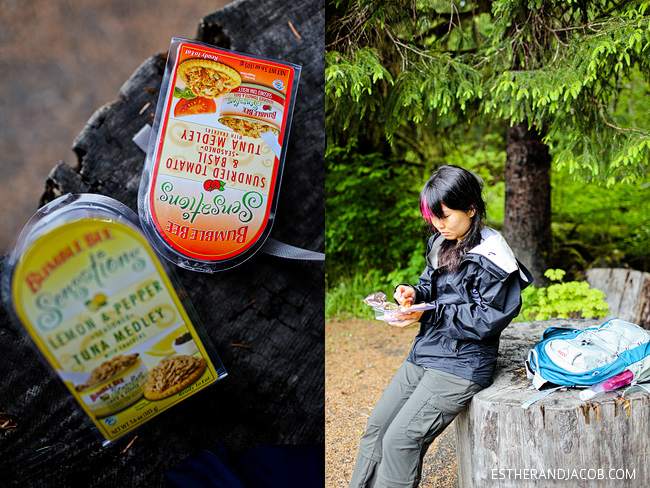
532 361
542 395
639 383
532 370
636 386
555 331
287 251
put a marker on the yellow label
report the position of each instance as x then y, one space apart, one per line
95 298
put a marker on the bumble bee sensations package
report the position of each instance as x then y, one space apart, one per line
101 307
214 163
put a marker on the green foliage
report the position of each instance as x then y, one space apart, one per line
372 213
573 79
437 93
557 65
344 299
487 159
352 91
573 299
602 221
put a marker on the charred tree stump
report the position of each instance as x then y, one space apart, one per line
274 308
559 440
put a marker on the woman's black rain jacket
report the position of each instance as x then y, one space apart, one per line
473 306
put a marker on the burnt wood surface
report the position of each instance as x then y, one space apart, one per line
274 392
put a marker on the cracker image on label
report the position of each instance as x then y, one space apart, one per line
172 375
208 78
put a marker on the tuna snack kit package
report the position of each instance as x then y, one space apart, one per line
212 175
101 306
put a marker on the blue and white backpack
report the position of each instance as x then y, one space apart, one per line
583 357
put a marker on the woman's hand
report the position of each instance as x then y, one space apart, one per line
406 319
404 295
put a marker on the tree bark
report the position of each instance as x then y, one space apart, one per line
527 219
627 292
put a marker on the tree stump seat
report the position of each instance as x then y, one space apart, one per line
559 439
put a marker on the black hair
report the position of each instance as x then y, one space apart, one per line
457 189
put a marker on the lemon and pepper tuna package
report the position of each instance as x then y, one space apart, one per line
211 179
106 313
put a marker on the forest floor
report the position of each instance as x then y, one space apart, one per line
361 357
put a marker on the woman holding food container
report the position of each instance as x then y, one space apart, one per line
474 282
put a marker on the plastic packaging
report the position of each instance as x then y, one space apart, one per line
211 179
103 310
391 312
616 381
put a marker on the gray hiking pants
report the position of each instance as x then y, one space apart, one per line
417 405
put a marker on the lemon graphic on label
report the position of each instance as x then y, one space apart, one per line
97 302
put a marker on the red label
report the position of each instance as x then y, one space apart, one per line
215 171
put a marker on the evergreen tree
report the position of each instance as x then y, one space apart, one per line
551 70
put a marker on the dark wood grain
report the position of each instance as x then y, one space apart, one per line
274 392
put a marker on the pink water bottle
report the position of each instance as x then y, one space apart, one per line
611 383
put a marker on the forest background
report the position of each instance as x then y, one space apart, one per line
547 101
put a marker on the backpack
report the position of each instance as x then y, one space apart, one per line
583 357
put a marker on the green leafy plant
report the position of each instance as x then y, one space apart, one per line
572 299
344 300
555 65
603 221
372 213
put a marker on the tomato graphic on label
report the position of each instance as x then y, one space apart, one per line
209 185
194 106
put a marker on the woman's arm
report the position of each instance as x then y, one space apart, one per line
423 288
406 294
485 307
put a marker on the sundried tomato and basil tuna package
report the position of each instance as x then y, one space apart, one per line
105 312
212 175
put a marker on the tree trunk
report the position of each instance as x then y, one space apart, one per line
627 292
527 220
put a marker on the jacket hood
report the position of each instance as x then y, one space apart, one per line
493 253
